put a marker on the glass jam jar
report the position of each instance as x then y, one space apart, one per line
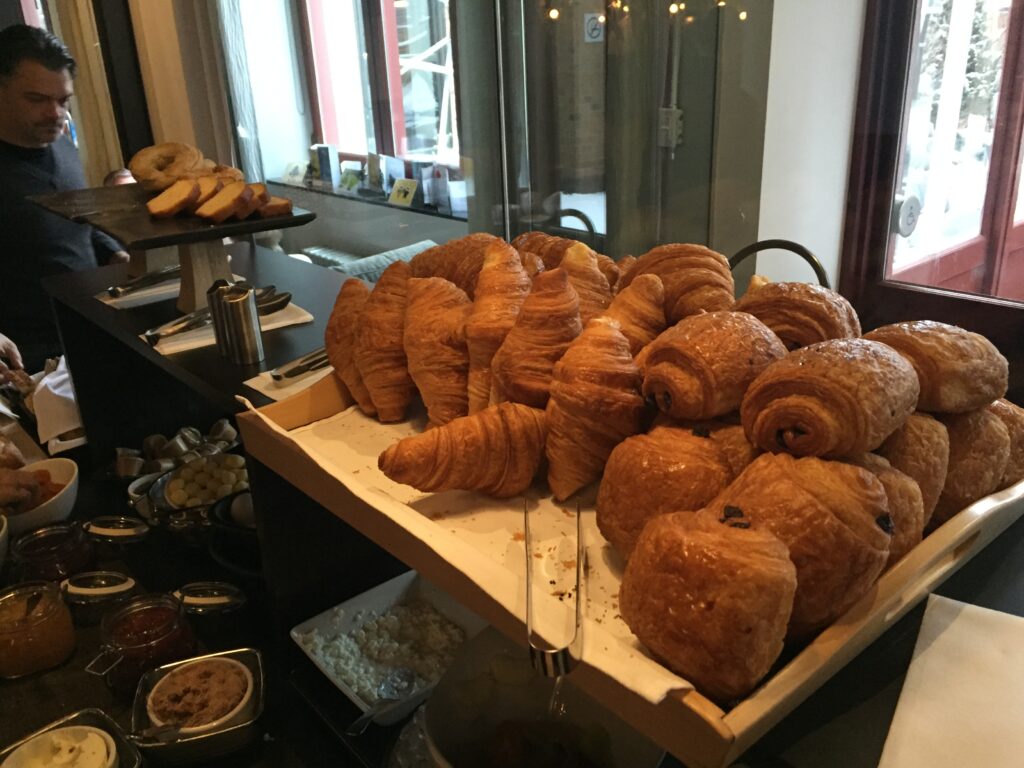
52 553
35 629
146 632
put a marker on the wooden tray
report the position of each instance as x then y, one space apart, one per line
121 213
685 723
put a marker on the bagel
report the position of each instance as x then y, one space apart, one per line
159 166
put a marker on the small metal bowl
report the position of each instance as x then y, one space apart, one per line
167 746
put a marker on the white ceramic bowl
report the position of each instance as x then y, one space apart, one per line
57 509
5 535
237 715
40 750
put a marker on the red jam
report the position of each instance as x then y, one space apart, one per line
145 633
51 553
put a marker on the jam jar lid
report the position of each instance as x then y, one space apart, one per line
93 587
203 598
117 529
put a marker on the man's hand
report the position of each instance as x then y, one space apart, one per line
119 257
9 352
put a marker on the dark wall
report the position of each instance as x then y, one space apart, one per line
10 13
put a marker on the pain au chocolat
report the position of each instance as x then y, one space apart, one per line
800 314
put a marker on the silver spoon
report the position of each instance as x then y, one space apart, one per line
397 684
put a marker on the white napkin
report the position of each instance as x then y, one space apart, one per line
275 391
150 295
961 703
56 410
203 337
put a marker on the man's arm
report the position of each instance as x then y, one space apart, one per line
108 250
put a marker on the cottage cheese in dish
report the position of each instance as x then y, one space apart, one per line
413 635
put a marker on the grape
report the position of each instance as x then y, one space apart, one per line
194 501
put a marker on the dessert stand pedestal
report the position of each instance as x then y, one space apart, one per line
157 243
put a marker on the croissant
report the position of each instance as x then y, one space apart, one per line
340 338
379 350
701 367
500 291
920 449
580 266
458 261
833 399
711 600
906 505
435 345
695 278
548 322
959 371
728 435
834 517
626 266
979 450
800 314
595 404
532 263
667 470
496 451
1013 419
551 249
640 311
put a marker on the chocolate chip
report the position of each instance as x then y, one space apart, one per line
738 524
701 432
650 401
780 438
731 511
885 523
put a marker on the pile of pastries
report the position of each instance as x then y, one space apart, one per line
761 462
191 184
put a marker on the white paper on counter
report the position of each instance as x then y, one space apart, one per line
151 295
56 409
266 385
485 537
961 703
203 337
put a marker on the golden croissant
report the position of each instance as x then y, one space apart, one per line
496 451
800 314
701 367
580 265
959 370
379 349
979 450
640 311
595 404
834 399
500 292
435 345
1012 417
548 322
551 250
695 278
458 261
920 449
340 339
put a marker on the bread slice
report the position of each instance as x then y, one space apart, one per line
224 204
177 197
278 206
208 187
260 197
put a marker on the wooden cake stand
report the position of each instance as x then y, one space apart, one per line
156 243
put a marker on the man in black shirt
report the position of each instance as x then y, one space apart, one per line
36 157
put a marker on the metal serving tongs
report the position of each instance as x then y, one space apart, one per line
145 281
550 658
313 361
268 301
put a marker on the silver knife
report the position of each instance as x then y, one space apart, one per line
314 361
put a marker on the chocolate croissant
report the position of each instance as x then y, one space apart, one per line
833 399
695 278
435 346
1013 419
595 404
500 292
496 451
710 600
640 311
906 505
833 517
580 266
670 469
920 449
800 314
727 434
979 450
379 349
547 323
959 371
340 341
458 261
701 367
